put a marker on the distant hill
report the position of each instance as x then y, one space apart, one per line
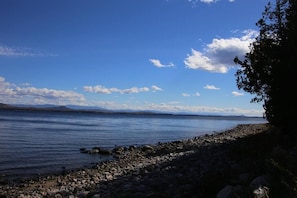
55 108
77 107
58 108
34 108
5 106
99 110
74 108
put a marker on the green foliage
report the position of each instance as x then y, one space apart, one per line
282 166
269 69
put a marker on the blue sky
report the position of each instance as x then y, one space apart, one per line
166 55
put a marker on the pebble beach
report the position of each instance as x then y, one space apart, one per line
204 166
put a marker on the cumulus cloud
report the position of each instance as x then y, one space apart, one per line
199 61
211 87
158 63
156 88
134 90
22 52
235 93
100 89
219 54
103 90
46 93
10 93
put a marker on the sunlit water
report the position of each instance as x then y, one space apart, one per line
38 143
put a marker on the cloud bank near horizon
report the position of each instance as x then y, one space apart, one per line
27 94
99 89
13 94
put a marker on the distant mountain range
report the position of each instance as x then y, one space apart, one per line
37 108
72 108
92 109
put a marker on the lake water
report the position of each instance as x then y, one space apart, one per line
35 143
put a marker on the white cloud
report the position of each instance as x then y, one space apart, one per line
219 54
197 94
100 89
186 95
134 90
103 90
14 94
177 107
158 63
194 2
212 87
235 93
156 88
22 52
208 1
44 92
199 61
10 93
189 95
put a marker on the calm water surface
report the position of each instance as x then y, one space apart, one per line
37 143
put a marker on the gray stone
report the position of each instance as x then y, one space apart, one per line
261 192
105 152
227 192
147 147
259 182
118 150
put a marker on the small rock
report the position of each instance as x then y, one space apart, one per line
227 192
105 152
179 148
261 192
132 147
95 150
118 150
147 147
83 150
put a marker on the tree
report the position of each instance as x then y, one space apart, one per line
269 69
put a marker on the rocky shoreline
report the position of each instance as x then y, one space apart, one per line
204 166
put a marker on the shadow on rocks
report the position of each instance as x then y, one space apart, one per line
198 171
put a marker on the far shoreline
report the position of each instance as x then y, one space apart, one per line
102 111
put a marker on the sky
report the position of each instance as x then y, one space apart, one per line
160 55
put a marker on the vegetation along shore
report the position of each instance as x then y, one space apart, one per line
247 161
